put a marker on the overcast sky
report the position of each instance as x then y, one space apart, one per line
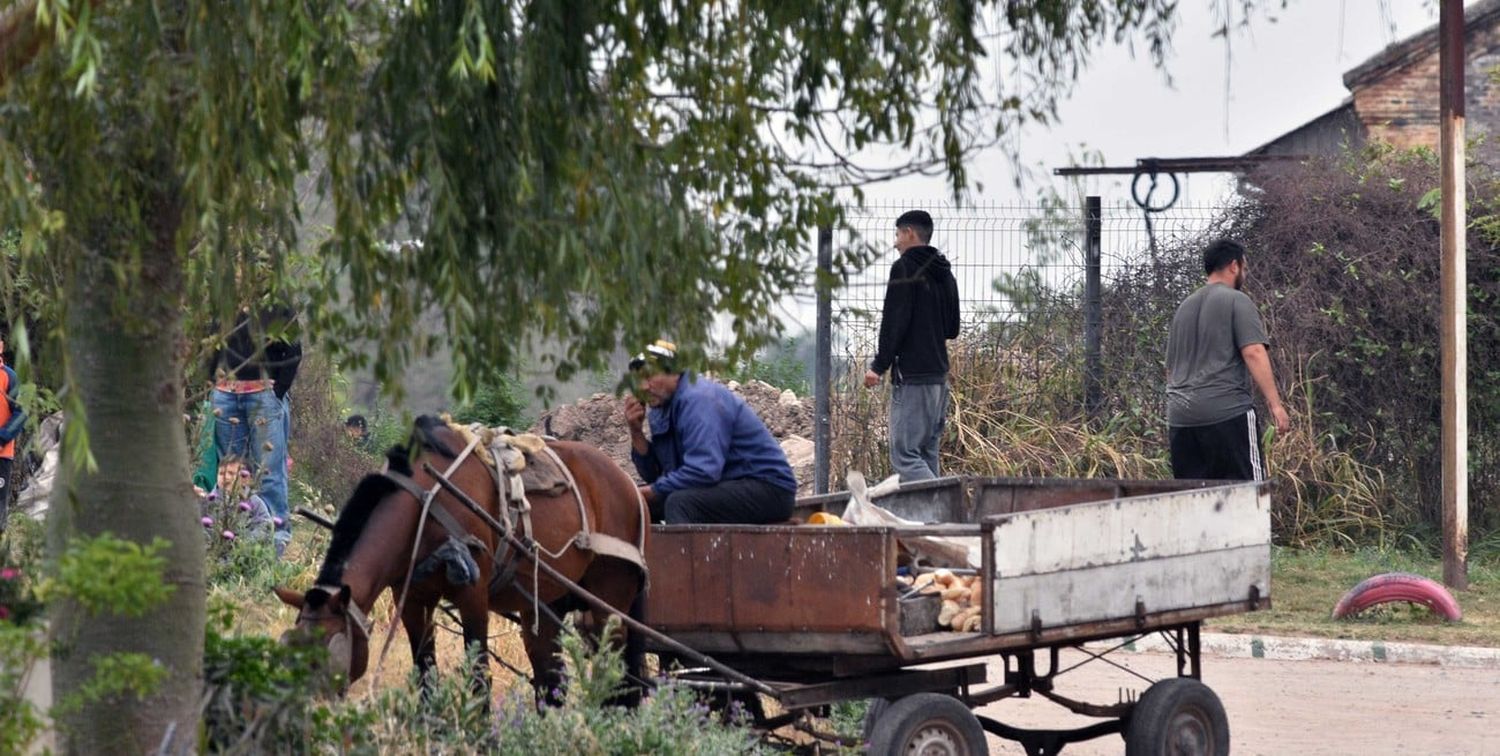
1285 69
1281 71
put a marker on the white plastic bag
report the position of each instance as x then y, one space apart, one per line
939 550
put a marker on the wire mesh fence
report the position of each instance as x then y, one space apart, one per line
1021 273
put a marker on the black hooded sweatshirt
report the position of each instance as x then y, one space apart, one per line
920 315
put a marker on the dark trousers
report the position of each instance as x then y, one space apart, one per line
1223 451
746 501
6 464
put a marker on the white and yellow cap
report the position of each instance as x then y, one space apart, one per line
661 352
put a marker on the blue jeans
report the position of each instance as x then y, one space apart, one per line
252 428
918 413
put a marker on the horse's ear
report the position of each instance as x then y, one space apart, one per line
289 597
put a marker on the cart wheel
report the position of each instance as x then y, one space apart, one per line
1178 717
927 724
874 710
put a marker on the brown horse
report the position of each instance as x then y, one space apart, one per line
372 545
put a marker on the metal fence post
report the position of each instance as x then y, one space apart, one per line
823 367
1092 307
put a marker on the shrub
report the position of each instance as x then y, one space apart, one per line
326 458
1346 265
266 698
261 696
20 721
787 365
499 401
20 640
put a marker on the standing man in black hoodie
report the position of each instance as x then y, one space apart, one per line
920 315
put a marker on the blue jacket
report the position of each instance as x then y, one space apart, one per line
705 434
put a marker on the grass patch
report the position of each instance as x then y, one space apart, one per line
1305 584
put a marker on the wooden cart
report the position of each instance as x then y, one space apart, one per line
813 614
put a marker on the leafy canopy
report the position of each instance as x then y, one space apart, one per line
592 172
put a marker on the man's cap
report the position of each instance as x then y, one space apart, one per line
661 351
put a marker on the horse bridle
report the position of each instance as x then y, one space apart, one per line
354 617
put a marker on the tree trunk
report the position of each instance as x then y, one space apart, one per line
124 345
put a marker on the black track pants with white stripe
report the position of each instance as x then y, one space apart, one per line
1223 451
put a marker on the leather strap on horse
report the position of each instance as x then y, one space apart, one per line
511 490
601 543
425 497
439 512
599 604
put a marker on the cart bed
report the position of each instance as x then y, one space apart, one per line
1064 561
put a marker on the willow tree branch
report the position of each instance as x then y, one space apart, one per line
20 39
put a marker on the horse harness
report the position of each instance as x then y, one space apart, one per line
505 456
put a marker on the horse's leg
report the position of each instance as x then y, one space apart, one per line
474 612
619 584
541 650
417 620
635 655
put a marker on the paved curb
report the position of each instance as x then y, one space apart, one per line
1234 646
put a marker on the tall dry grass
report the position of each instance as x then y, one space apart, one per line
1017 413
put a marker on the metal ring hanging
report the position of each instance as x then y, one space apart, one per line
1145 203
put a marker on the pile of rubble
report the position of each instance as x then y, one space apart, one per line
599 421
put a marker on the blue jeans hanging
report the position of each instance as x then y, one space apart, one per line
252 428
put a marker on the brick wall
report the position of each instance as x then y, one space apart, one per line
1401 107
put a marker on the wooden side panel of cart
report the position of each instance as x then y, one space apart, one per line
1130 558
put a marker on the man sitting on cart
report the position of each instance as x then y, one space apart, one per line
710 458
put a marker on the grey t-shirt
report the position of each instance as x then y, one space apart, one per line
1207 381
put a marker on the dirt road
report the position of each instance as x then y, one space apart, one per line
1296 707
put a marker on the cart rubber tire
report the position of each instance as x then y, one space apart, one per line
1179 716
874 709
928 724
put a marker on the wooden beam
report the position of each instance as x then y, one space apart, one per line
1455 447
1229 164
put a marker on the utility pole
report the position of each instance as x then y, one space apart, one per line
1093 225
823 367
1454 308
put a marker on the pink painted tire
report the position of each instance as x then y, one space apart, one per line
1398 586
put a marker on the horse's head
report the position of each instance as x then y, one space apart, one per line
327 615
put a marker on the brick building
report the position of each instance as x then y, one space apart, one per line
1393 96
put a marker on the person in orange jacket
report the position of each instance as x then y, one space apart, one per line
12 422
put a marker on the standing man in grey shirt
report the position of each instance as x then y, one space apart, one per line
1216 346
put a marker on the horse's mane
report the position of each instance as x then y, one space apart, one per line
352 519
372 489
